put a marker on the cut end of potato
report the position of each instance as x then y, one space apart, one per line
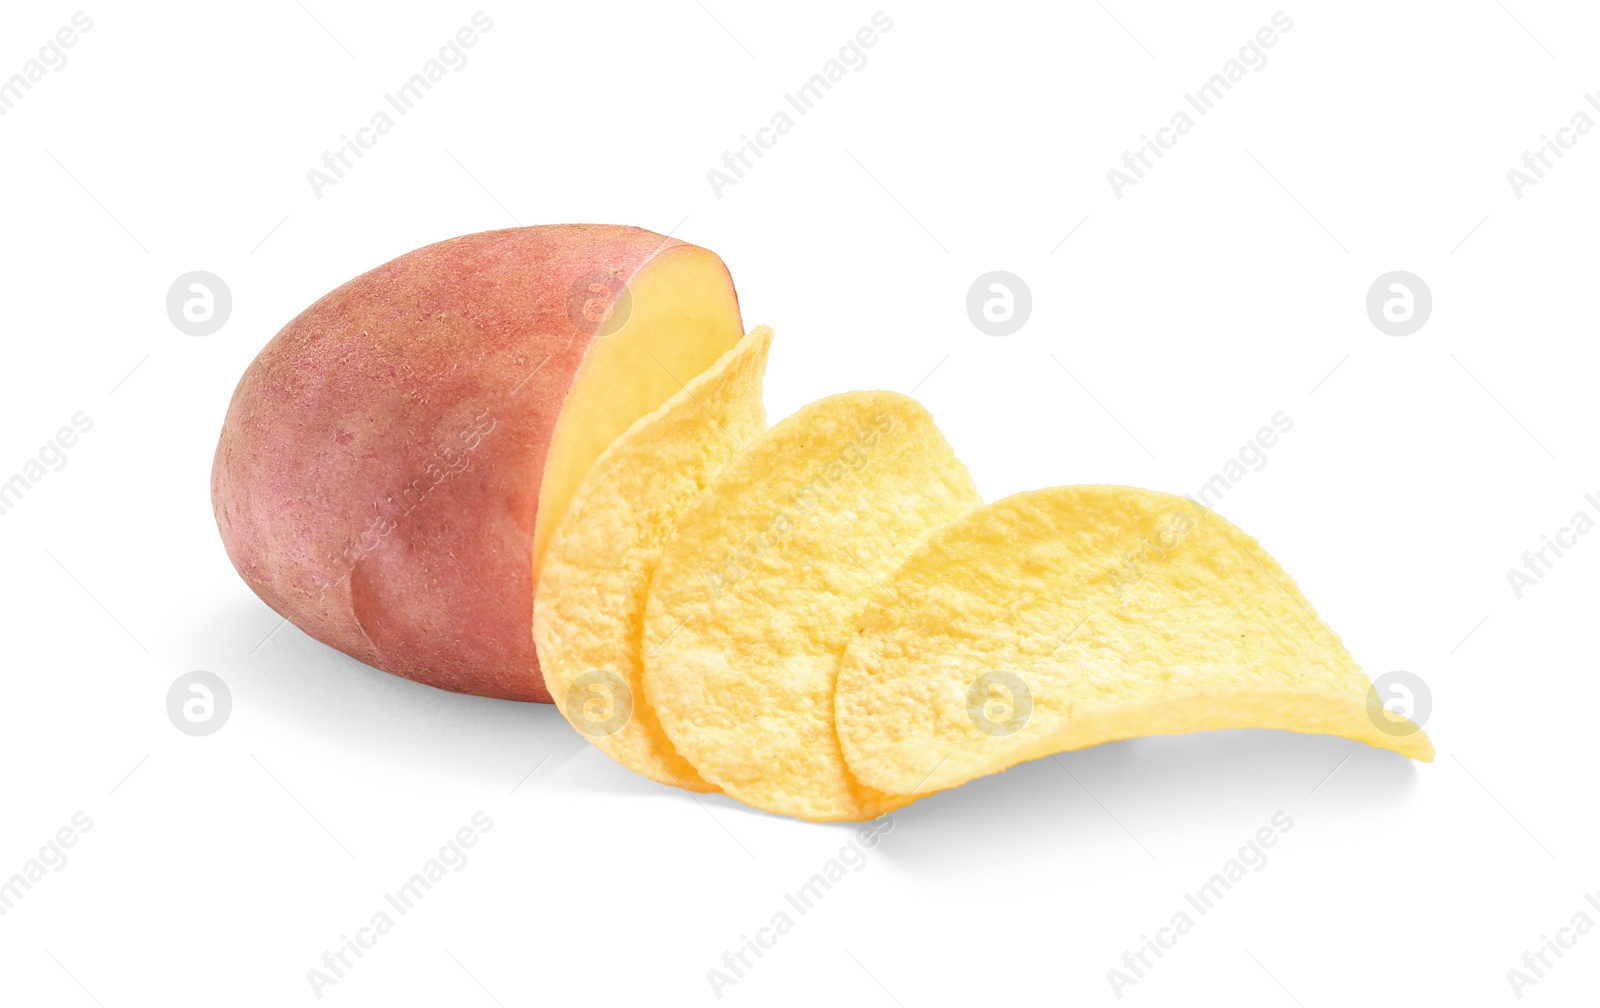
759 590
653 333
1062 618
589 607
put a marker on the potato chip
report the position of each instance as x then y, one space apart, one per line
760 588
589 606
1062 618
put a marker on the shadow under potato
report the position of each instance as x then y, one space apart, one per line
294 679
1088 794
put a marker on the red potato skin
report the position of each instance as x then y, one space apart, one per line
377 478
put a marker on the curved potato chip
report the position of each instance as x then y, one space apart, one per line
589 607
760 588
1062 618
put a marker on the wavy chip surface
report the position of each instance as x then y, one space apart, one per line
1061 618
761 588
589 606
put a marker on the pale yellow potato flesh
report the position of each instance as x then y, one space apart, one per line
759 591
682 315
1116 612
589 607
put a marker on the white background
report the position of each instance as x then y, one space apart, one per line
1227 285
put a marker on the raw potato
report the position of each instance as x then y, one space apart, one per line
589 607
761 586
393 458
1114 612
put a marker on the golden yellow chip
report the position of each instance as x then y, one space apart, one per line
589 606
760 589
1062 618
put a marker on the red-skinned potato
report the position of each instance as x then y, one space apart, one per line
393 461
